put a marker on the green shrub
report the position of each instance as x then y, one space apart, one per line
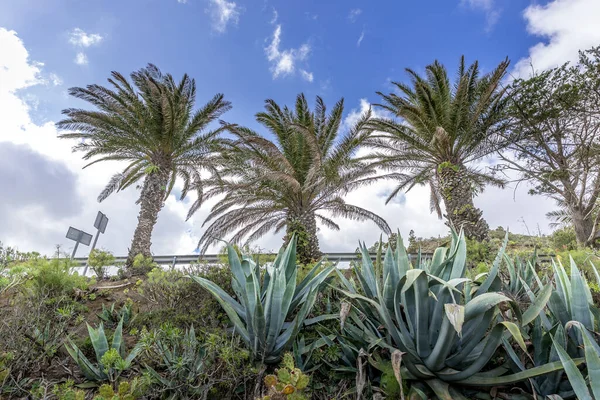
141 265
52 278
183 366
167 288
479 252
582 258
11 278
98 260
564 239
173 290
32 331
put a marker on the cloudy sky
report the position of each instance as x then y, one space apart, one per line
250 51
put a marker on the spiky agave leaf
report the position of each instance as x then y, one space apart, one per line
265 305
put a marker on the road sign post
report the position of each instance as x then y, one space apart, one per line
78 236
100 225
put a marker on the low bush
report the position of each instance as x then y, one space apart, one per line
53 278
167 288
181 365
583 258
98 260
564 239
175 297
32 332
11 278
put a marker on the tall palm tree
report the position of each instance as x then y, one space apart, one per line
153 127
292 181
444 129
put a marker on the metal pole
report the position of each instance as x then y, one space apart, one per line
74 250
87 263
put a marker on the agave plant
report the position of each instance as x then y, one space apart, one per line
260 317
181 363
552 340
520 277
111 317
592 360
446 328
572 299
110 361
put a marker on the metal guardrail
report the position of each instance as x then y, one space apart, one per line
173 260
216 258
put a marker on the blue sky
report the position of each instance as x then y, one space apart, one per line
231 58
250 51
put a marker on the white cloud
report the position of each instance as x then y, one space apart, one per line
492 12
81 59
307 76
55 79
223 13
566 26
283 62
275 17
356 113
182 1
360 38
353 14
40 213
79 38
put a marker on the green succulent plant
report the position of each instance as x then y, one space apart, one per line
67 391
572 300
260 317
288 382
180 363
112 317
125 391
110 361
446 328
553 339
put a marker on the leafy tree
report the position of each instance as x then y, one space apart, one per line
555 126
291 181
443 131
153 127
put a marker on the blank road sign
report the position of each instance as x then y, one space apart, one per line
101 222
79 236
73 234
86 238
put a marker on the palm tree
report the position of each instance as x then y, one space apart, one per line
152 125
292 181
444 129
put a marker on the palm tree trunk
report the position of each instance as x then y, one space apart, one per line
151 202
305 228
458 198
